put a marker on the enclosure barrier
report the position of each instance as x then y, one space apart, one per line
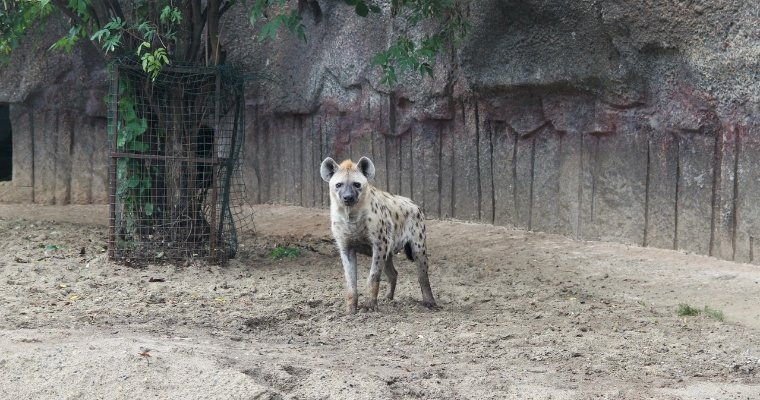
175 148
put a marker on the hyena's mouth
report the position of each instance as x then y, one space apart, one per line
349 203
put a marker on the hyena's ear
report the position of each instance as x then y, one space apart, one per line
366 167
328 168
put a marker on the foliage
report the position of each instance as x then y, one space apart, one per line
282 17
152 62
280 252
362 8
450 26
685 310
16 17
406 53
146 32
160 32
135 180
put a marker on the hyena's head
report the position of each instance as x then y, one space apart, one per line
347 180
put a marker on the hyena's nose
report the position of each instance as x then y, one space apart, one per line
349 199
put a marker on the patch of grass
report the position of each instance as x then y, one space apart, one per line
281 252
714 314
685 310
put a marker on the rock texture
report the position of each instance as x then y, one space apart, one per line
58 118
626 120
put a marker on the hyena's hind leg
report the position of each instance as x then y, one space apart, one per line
391 273
420 258
380 255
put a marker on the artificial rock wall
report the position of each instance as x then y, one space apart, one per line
630 121
58 121
625 120
618 179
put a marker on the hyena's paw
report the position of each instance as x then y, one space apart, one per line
430 305
351 304
370 306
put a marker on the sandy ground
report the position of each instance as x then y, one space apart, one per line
523 316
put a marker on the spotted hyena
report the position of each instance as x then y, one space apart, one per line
373 222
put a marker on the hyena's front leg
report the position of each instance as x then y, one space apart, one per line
348 256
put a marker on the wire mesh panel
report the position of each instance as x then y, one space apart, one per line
175 146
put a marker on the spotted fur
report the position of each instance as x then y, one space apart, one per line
370 221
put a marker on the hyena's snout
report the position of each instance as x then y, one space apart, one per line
349 200
349 195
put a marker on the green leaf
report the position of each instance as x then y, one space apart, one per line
361 9
389 76
98 36
112 42
165 14
133 182
137 146
121 168
301 32
52 247
80 6
121 140
115 24
170 15
380 58
148 208
269 30
142 45
426 69
134 127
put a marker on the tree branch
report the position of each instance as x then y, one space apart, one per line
198 22
213 30
61 5
226 6
116 8
77 20
94 15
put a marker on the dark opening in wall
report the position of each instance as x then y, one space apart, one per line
6 144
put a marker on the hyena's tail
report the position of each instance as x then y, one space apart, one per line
408 251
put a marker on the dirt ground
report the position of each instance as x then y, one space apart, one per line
522 316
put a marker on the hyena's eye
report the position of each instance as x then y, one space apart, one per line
339 185
357 185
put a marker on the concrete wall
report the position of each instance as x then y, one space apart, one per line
634 121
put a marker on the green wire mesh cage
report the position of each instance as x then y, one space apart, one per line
175 145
